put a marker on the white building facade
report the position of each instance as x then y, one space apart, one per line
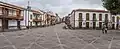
31 19
90 18
13 15
115 21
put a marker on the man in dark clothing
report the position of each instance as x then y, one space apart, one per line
104 29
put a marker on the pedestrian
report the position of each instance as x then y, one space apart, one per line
103 28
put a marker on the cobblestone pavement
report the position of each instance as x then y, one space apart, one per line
54 37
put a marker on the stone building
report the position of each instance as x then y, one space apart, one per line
115 21
10 16
90 18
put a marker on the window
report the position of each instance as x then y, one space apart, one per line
87 16
0 10
14 12
106 17
10 12
80 16
94 17
113 19
100 17
22 13
117 20
30 16
36 16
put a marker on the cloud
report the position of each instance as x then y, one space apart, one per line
62 7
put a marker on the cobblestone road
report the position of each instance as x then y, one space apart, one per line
54 37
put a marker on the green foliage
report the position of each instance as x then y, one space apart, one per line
112 5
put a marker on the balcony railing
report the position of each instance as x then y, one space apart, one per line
13 17
37 20
20 18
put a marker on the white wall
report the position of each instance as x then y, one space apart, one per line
116 20
0 22
26 19
24 22
12 23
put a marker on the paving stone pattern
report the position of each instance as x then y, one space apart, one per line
55 37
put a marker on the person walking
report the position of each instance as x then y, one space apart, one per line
104 29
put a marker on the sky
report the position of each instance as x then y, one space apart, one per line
62 7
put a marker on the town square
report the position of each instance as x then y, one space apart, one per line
38 24
57 38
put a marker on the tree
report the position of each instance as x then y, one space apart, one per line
112 5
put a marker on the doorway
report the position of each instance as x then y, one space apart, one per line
5 24
100 25
94 25
113 26
87 24
80 24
